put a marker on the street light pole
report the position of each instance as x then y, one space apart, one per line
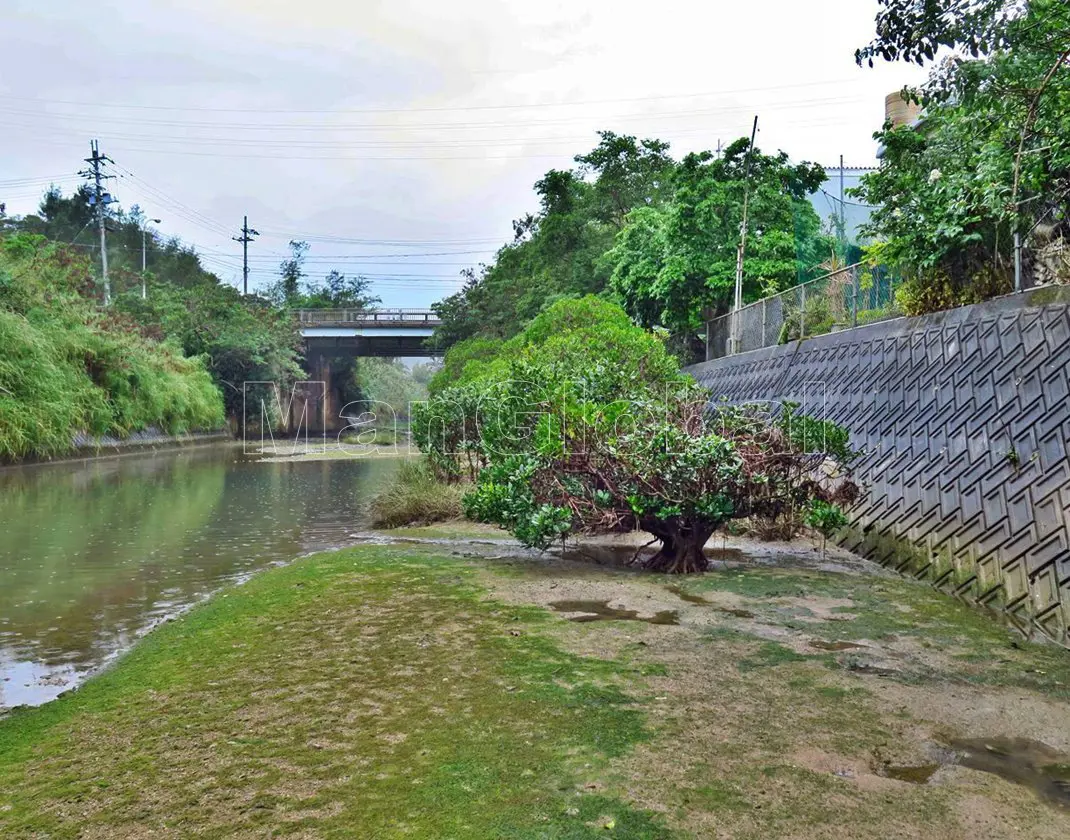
144 236
737 304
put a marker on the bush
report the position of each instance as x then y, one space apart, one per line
680 474
416 497
584 423
584 350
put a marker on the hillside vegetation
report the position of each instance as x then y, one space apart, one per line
68 367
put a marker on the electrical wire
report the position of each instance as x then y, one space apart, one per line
508 106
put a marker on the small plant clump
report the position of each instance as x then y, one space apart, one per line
416 497
826 519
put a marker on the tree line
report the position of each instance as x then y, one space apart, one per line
658 235
987 165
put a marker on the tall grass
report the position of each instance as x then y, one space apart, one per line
66 368
416 497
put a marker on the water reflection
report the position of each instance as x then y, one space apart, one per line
93 554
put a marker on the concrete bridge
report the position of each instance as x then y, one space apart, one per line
367 332
338 333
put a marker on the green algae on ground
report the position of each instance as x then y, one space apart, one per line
977 647
360 693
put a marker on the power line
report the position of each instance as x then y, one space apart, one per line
392 127
44 179
177 207
324 257
839 200
509 106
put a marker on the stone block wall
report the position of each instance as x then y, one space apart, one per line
964 417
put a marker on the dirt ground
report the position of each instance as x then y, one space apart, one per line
798 695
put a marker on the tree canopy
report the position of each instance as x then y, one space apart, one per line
657 235
990 157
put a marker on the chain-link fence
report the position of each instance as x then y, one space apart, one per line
857 294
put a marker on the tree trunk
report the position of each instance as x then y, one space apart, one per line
681 551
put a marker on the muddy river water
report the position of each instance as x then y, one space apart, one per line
94 553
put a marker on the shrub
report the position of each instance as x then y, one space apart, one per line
680 474
416 497
584 423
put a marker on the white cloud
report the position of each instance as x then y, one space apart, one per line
382 120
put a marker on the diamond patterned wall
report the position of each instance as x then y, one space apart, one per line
964 417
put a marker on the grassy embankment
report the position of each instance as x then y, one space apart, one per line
390 691
368 692
68 368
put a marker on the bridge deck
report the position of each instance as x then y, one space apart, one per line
406 319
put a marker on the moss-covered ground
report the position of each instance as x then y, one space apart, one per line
416 690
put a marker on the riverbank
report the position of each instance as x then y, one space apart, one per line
474 689
148 442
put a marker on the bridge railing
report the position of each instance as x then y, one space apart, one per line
366 316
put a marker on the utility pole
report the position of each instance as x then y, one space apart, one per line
843 214
144 231
738 303
100 200
247 234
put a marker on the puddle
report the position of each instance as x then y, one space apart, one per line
690 598
1030 763
602 611
736 612
821 644
918 774
684 595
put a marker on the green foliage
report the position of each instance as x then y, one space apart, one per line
825 518
336 290
989 157
291 272
584 423
70 219
454 368
416 497
387 383
674 265
242 340
660 236
67 368
239 339
809 434
911 31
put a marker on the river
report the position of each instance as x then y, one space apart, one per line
95 553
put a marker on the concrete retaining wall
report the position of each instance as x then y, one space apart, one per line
89 446
964 417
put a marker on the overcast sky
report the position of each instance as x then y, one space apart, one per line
399 137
